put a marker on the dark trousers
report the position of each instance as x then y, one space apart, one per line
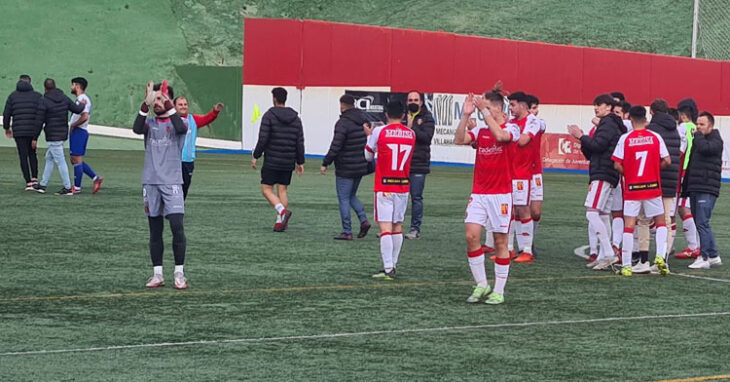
187 172
702 206
347 196
418 183
28 158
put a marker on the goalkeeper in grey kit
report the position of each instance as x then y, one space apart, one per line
164 137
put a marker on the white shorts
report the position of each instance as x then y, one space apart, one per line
390 207
599 194
536 188
652 207
493 212
520 192
617 198
683 202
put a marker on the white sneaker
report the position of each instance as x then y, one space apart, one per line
592 264
180 281
715 261
155 281
603 265
642 268
700 263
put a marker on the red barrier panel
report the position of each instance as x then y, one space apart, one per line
605 71
562 151
316 53
272 51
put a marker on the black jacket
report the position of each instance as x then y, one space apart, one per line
22 106
424 126
281 139
704 172
52 115
347 149
599 148
664 125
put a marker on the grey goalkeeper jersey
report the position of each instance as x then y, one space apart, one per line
162 152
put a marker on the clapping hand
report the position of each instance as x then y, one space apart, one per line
575 131
218 107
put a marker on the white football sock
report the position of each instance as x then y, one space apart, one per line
397 244
628 246
501 273
601 232
617 230
690 232
606 219
526 236
179 268
511 236
386 251
670 238
661 241
592 240
476 264
157 269
279 208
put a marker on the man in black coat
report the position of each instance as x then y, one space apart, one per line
52 118
19 123
598 149
420 120
702 184
281 142
347 151
665 125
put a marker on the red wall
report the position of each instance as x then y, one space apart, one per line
316 53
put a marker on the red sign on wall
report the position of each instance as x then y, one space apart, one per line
562 151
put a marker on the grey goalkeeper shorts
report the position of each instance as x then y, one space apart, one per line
163 199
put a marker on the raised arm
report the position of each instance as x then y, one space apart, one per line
460 135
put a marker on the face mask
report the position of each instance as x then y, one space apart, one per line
73 91
413 107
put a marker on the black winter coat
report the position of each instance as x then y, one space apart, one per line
281 139
52 115
704 172
664 125
347 149
22 107
599 148
424 127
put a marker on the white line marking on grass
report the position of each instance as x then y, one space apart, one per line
581 251
701 277
363 334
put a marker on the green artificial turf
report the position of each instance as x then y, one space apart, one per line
72 274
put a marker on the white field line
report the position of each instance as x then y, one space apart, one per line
364 334
581 252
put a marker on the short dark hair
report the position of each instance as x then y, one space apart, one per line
625 106
519 97
174 100
709 116
170 92
420 95
49 84
659 105
604 99
24 77
347 100
686 111
494 98
618 95
395 109
279 95
637 113
81 81
532 100
674 113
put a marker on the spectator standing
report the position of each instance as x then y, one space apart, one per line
19 117
420 120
